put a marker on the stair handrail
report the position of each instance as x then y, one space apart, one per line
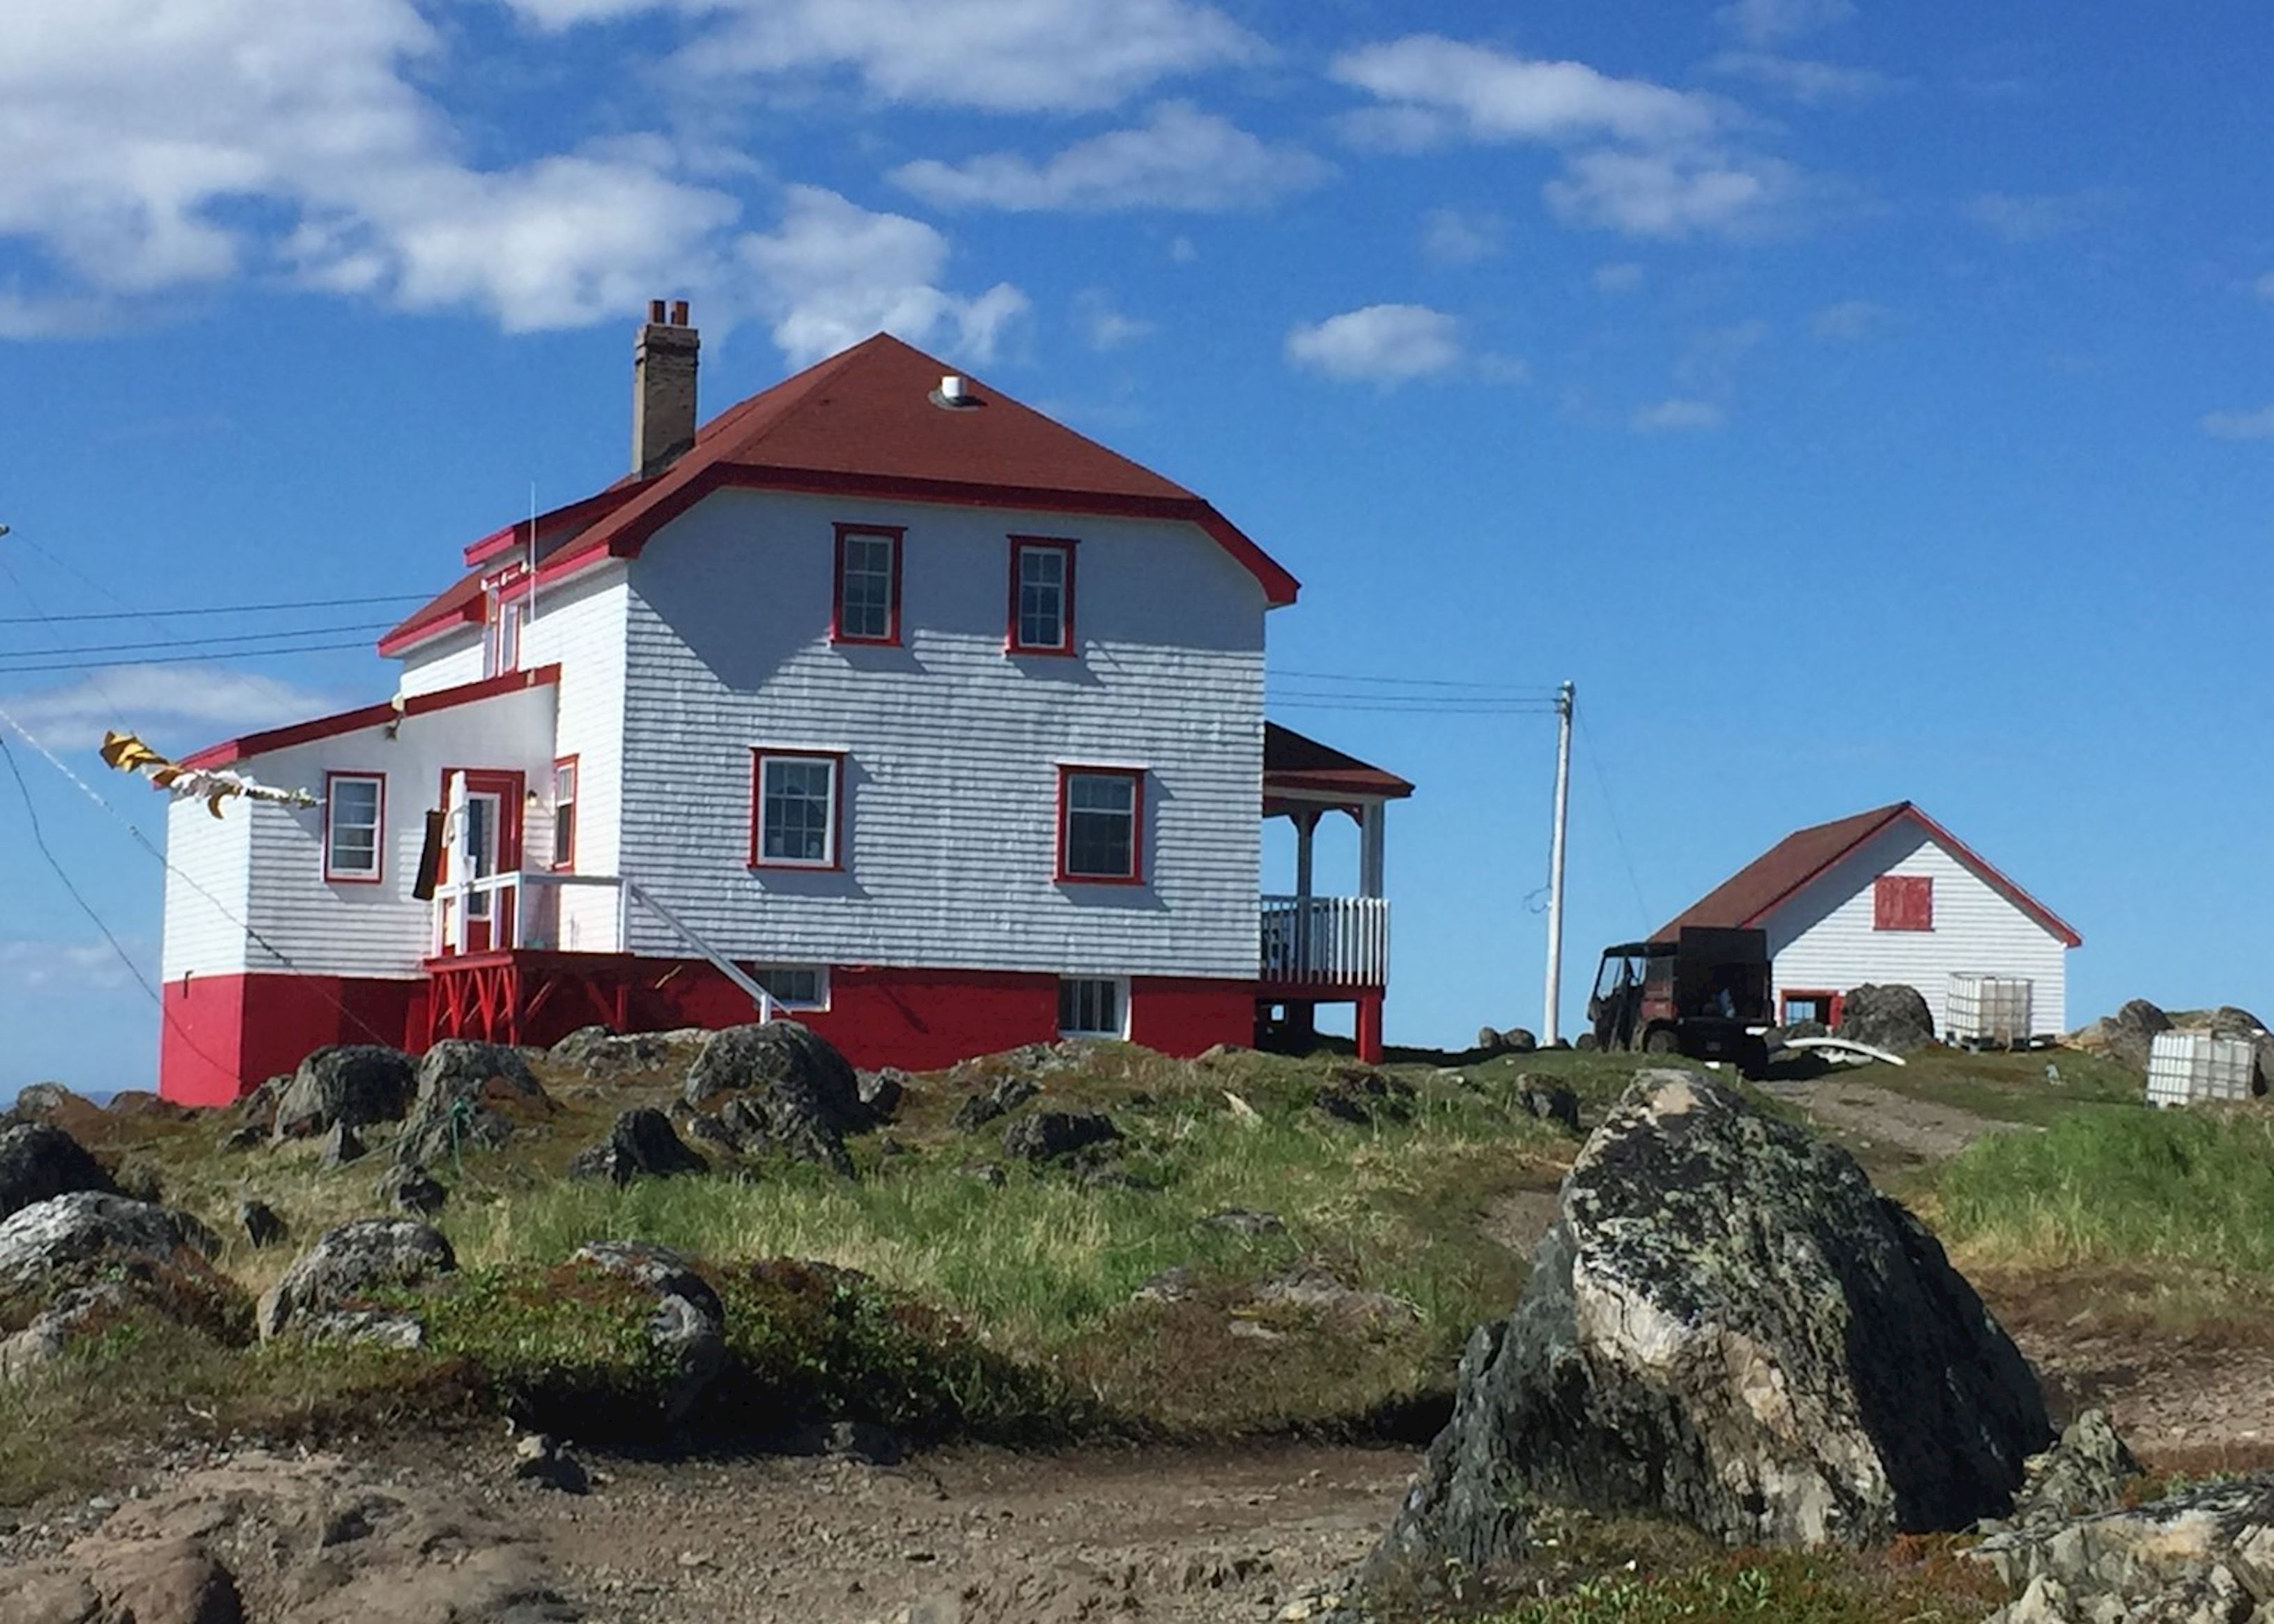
718 961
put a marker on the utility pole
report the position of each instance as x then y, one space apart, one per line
1547 1026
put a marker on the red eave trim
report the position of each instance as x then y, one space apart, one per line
516 534
403 638
232 751
1367 786
1279 587
1958 848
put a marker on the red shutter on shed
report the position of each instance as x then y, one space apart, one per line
1902 902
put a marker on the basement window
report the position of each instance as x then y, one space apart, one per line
794 987
1095 1006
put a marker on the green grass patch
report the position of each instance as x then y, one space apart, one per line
2116 1184
1906 1585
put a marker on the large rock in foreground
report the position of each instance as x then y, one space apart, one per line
1727 1324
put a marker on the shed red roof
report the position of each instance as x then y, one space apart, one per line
864 423
1291 761
1748 896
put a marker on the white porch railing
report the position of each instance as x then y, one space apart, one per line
541 911
1326 941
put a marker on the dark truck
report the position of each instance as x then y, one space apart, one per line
1704 994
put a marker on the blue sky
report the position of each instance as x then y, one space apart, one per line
1858 402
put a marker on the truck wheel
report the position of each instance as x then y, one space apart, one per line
1661 1041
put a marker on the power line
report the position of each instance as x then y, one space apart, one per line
198 642
1411 708
1611 816
171 614
1546 690
181 659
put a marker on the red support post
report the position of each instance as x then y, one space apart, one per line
1369 1028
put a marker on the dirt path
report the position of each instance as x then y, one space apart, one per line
1878 1115
974 1534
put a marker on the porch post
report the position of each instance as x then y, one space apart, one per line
1369 1028
1306 825
1370 848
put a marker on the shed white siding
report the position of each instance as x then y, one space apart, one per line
1822 939
209 874
580 627
952 747
378 930
449 661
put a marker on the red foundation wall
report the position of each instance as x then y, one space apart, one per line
224 1035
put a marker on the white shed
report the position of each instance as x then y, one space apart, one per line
1889 896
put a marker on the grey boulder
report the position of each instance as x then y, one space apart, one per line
791 1091
349 1263
1727 1324
641 1145
38 1160
1893 1018
2202 1556
460 1083
357 1084
1046 1136
688 1327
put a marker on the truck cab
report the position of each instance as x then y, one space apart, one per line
1704 994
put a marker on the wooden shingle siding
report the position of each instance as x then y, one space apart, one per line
199 938
580 626
1823 937
951 746
380 930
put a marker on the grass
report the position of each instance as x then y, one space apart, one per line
2118 1185
1906 1586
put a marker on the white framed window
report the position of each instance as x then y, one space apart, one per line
508 616
1041 595
355 813
1093 1006
796 803
794 987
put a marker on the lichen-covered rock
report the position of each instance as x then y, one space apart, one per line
882 1091
38 1160
688 1327
1047 1135
342 1145
407 1187
640 1145
1727 1324
1007 1095
88 1238
258 1220
1549 1100
69 1316
464 1091
1894 1017
791 1090
44 1101
357 1084
2085 1472
753 1129
2202 1556
1365 1098
597 1052
351 1262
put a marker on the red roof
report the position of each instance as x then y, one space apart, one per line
230 751
864 423
1748 896
1291 761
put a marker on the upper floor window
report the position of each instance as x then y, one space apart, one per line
564 813
355 810
868 596
796 809
1902 902
1042 596
502 652
1102 824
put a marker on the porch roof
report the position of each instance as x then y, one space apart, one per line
1307 770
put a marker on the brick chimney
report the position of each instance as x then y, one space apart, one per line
662 388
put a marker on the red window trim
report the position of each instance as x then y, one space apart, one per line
1136 775
378 875
566 863
1902 902
1830 999
898 535
1065 645
759 753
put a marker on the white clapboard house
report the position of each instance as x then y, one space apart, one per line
880 699
1890 896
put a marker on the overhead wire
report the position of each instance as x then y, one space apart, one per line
1611 816
196 642
207 609
181 659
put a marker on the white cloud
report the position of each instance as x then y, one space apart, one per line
1675 413
1672 193
2240 424
1848 321
831 273
1179 158
1812 83
2034 217
1104 324
1000 56
1639 158
2264 287
1449 237
176 708
1770 22
1386 345
1622 276
1493 95
1181 251
71 967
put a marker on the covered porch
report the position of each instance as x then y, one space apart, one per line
1325 949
